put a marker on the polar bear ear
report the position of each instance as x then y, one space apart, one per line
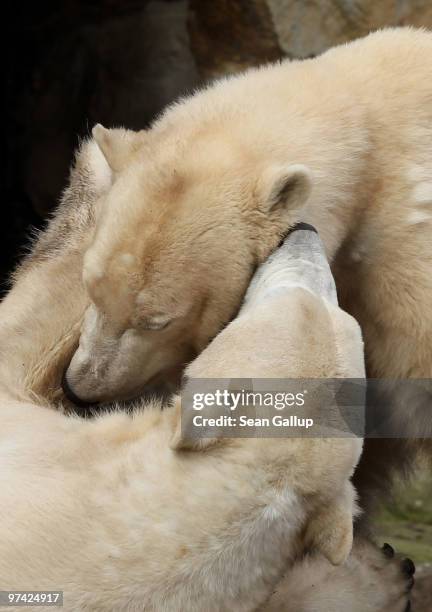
117 145
286 187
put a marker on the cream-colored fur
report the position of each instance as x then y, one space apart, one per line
343 141
109 513
39 314
367 582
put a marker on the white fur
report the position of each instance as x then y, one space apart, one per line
120 521
39 332
299 262
417 217
343 141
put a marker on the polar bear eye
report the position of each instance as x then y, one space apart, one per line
156 323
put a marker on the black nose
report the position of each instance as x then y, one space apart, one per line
72 397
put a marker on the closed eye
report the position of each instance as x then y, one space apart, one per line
157 326
156 323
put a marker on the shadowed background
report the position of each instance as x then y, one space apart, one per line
73 63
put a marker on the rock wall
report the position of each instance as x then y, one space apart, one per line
227 35
308 27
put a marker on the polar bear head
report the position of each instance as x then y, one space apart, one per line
178 236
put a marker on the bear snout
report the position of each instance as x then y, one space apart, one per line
70 394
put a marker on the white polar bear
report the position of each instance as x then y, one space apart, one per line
343 141
117 519
39 327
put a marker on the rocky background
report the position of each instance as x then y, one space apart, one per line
73 63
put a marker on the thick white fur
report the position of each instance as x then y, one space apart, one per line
367 582
109 513
343 141
40 324
41 316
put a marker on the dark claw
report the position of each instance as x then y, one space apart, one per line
408 567
408 607
388 551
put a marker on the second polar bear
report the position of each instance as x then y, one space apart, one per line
39 329
134 524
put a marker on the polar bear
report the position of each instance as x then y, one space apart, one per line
39 330
131 523
197 201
